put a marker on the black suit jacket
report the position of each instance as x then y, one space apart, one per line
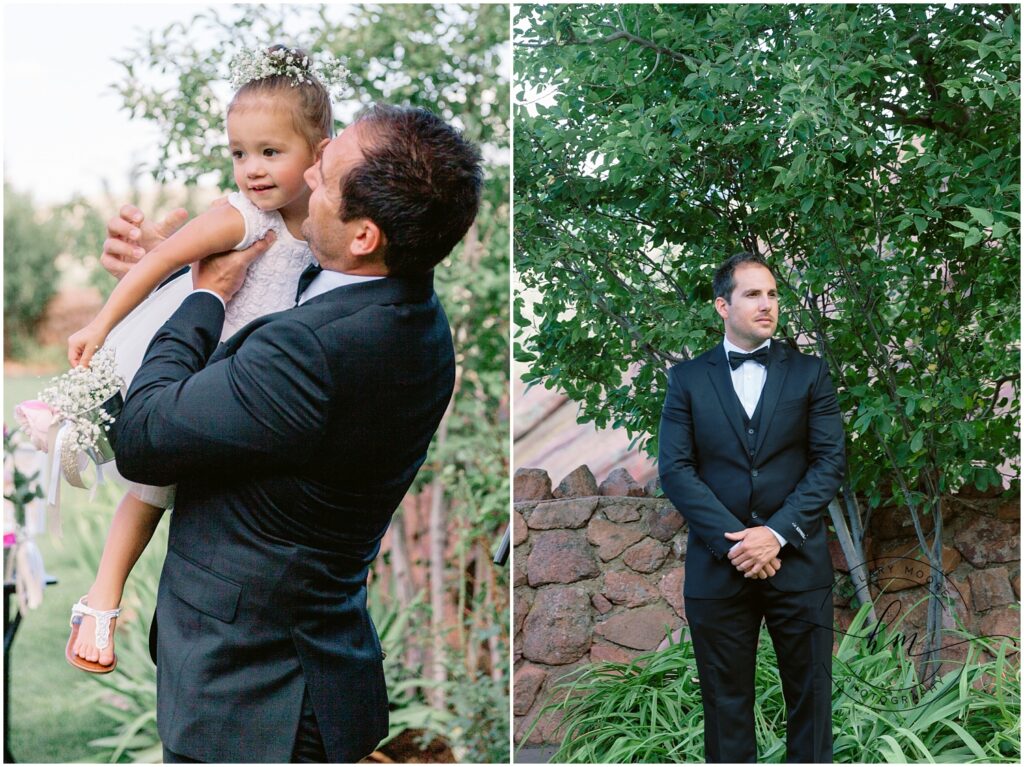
708 474
291 445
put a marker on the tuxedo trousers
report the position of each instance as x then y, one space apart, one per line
725 634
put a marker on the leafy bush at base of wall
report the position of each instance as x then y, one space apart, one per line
650 710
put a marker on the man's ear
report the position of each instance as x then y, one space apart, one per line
368 240
320 148
722 307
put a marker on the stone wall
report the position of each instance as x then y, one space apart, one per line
598 576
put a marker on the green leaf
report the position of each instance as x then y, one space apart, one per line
982 216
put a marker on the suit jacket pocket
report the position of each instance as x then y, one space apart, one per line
790 404
203 589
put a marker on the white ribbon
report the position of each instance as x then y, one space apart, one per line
29 575
68 462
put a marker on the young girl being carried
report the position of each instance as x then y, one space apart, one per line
277 123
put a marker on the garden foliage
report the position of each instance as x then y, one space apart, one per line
31 246
650 710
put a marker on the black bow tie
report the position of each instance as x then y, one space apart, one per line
760 357
308 275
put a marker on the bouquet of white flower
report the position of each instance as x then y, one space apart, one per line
84 398
71 421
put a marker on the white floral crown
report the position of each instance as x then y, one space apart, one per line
248 65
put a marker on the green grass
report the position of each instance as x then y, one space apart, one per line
50 719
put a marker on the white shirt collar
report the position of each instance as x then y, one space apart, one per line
328 280
731 347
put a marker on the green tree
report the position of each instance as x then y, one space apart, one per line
869 152
31 245
449 59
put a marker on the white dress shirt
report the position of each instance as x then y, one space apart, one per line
328 280
323 282
748 382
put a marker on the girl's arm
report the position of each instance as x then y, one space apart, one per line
215 231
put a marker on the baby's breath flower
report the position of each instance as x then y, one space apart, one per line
81 390
248 65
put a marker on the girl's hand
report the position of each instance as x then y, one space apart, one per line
83 344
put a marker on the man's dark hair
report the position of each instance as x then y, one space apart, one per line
724 281
419 181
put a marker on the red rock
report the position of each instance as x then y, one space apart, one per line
664 521
646 556
578 483
519 569
908 609
999 624
640 629
519 531
671 588
522 602
629 589
1015 582
619 510
558 628
571 513
610 538
991 588
531 485
902 565
888 522
600 603
602 652
526 684
985 540
560 556
838 558
621 483
653 487
992 491
1009 510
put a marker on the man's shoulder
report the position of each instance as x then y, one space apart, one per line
689 369
800 359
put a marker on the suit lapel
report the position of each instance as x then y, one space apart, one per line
342 301
777 369
721 380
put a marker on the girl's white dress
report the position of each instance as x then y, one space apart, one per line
269 287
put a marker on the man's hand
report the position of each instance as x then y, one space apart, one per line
224 273
757 550
130 237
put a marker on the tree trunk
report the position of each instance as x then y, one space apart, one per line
855 559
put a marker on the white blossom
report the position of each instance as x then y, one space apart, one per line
248 65
77 395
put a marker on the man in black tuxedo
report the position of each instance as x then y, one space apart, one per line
291 445
751 453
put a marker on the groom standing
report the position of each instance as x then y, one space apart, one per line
292 444
751 453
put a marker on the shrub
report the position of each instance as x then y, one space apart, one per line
650 710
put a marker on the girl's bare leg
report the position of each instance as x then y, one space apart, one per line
130 531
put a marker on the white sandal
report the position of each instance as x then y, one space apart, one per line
103 617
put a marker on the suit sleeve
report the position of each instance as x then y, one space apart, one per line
677 467
826 455
264 406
